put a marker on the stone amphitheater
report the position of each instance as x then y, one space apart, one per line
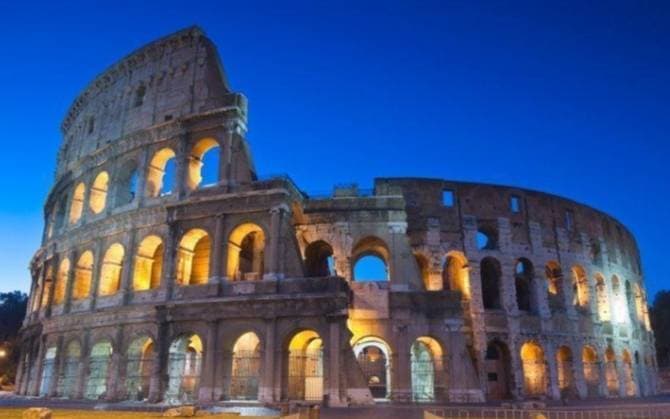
169 271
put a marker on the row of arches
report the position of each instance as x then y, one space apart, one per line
202 169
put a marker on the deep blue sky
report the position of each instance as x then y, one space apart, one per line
570 98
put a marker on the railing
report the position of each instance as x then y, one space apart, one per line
623 413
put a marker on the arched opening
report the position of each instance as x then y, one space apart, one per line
305 367
566 379
602 299
69 370
61 214
618 305
48 283
523 283
98 194
425 363
148 264
580 287
83 276
110 272
203 165
98 367
370 259
456 274
61 281
161 173
184 366
534 370
629 379
424 272
555 293
490 275
48 369
486 238
139 363
126 183
640 305
498 377
611 375
193 258
319 260
246 249
245 371
77 204
591 370
374 358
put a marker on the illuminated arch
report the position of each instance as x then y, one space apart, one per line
374 358
77 203
193 257
140 358
98 194
110 272
246 368
98 367
591 370
148 264
564 364
611 374
201 152
580 286
555 291
303 376
69 370
373 252
456 274
158 166
61 281
425 365
184 368
83 276
534 369
602 299
628 374
246 249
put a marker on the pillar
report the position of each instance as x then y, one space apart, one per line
167 282
578 373
182 166
116 373
58 365
267 392
401 381
34 389
98 254
553 390
159 365
127 270
276 215
67 301
206 389
335 398
83 372
217 251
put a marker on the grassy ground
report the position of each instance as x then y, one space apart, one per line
85 414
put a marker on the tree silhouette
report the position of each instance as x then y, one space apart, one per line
12 311
660 321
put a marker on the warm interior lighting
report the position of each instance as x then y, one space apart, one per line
195 163
110 273
77 205
156 173
246 247
148 264
83 276
98 194
193 258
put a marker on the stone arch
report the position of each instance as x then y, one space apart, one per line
303 372
110 272
425 364
555 289
197 160
319 260
140 359
611 374
148 264
83 276
61 281
456 274
628 374
48 370
125 188
591 370
69 374
534 369
97 200
246 252
184 367
423 264
193 257
602 299
373 251
524 285
498 374
491 275
374 358
564 366
580 287
77 203
245 372
98 370
640 305
48 284
162 162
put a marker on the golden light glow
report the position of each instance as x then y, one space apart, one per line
602 299
48 283
77 205
148 264
534 368
98 194
246 246
110 273
61 281
456 274
581 286
156 171
195 163
193 258
83 276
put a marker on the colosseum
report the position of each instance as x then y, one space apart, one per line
170 272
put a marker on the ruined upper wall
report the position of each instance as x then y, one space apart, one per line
170 78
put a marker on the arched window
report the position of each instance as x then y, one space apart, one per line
110 273
456 274
424 271
580 286
193 258
611 374
98 195
203 166
246 250
425 367
139 363
319 259
48 283
184 367
486 238
602 299
69 372
374 358
98 367
523 282
640 306
61 281
628 375
534 369
161 173
83 276
490 275
304 375
566 381
48 370
126 183
77 205
148 264
555 293
591 370
61 213
245 371
370 260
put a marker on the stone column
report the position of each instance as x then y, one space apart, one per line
206 389
127 270
225 157
217 258
552 372
116 376
84 369
335 364
58 365
98 255
159 364
222 379
54 274
182 166
170 253
38 364
276 215
142 172
67 301
267 391
578 373
401 381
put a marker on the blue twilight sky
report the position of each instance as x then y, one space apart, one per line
569 97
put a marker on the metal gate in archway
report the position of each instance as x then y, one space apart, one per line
138 377
245 375
373 363
305 375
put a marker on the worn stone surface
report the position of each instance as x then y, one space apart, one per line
166 285
36 413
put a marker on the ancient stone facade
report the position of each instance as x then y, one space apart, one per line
159 280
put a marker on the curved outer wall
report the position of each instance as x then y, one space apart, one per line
492 328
